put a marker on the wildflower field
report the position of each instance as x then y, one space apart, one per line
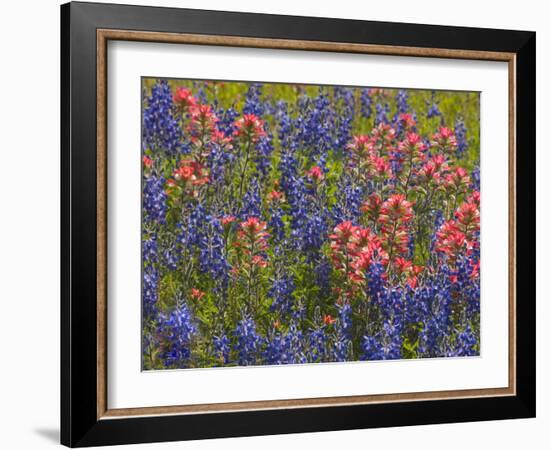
287 224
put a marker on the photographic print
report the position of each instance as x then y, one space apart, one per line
296 224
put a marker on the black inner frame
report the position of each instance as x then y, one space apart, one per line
79 423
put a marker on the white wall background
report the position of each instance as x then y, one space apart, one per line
29 224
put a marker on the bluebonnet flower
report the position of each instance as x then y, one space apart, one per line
151 280
150 249
384 345
402 99
295 189
276 223
226 120
371 348
190 231
218 160
402 107
253 103
298 310
476 178
201 91
466 342
366 103
461 138
349 199
295 343
161 130
467 286
323 270
308 223
177 330
413 301
154 199
297 200
171 257
212 253
288 167
249 343
222 348
150 274
281 291
433 108
315 230
285 348
344 323
376 282
252 203
344 116
341 348
275 349
318 344
264 148
437 314
382 111
314 127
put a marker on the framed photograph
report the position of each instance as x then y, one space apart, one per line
276 224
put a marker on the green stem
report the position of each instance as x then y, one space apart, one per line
243 173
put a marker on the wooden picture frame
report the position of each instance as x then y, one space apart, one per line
86 418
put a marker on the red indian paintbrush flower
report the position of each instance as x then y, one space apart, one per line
457 180
372 206
147 162
226 220
249 126
328 320
467 216
451 242
197 294
440 163
405 268
202 124
395 215
380 167
218 137
396 208
353 249
276 196
475 197
360 147
343 232
259 261
412 148
183 98
187 177
252 234
407 120
184 173
253 225
383 137
203 114
252 241
315 173
428 173
455 238
444 140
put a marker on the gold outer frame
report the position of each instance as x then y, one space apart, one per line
103 36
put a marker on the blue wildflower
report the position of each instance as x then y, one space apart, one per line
161 130
177 330
249 343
